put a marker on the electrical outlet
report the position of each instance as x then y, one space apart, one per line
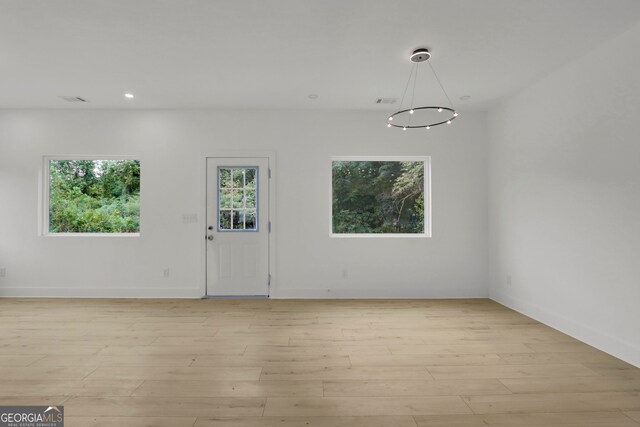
3 272
166 272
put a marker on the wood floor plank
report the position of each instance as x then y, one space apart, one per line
176 373
316 349
355 341
38 372
375 388
563 357
122 360
20 360
198 341
450 421
571 384
149 406
154 350
355 373
555 402
364 406
38 399
47 386
329 421
569 347
491 348
564 419
614 370
230 388
425 360
129 421
634 415
300 361
63 350
510 371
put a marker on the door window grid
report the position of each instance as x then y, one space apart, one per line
237 199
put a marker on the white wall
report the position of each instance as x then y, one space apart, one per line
564 180
172 146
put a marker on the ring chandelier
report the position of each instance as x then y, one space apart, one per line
404 118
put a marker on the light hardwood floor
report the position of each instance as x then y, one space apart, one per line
289 363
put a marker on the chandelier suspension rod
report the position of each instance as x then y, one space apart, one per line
440 83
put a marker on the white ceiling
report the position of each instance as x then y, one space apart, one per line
274 53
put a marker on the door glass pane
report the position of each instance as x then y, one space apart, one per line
225 220
225 178
225 199
238 178
250 197
238 220
251 178
250 219
237 199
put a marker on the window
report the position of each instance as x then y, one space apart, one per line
380 196
92 196
238 198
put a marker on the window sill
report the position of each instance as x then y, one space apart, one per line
91 235
379 236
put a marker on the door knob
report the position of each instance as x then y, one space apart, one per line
209 237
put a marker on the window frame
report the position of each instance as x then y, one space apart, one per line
219 209
427 196
46 192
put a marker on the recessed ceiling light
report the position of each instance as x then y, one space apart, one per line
465 98
128 95
313 96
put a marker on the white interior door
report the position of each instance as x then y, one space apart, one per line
237 226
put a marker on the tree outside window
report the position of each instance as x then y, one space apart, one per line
378 197
94 196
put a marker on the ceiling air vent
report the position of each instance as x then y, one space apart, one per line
386 100
73 99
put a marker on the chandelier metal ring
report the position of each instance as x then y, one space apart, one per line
428 125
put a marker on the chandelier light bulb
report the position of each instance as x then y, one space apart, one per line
455 114
411 111
390 118
428 127
404 128
448 122
439 110
388 125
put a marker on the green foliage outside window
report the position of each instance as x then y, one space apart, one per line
378 197
94 196
238 198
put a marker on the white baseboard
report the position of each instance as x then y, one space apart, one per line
607 343
377 294
46 292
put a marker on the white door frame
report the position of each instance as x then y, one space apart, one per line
271 155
